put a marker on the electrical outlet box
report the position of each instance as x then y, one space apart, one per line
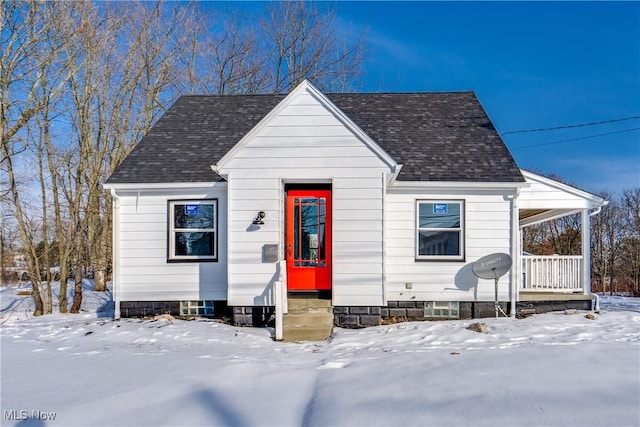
408 285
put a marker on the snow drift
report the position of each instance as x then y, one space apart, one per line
89 370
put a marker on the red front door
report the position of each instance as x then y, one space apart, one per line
308 240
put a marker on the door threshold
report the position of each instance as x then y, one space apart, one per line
310 294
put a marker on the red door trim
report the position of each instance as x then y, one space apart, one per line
308 255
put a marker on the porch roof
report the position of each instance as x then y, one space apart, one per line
545 199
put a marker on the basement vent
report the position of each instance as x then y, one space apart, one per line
443 309
196 308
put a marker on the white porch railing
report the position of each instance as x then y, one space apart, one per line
552 273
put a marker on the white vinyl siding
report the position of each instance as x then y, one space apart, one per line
144 273
306 143
487 224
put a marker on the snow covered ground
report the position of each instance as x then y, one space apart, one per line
88 370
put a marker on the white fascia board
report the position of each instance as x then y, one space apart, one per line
393 176
596 200
454 185
305 86
163 185
215 170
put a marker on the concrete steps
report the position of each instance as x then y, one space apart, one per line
309 319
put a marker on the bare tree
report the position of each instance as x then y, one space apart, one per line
46 255
233 61
217 53
607 232
30 49
561 236
302 43
630 248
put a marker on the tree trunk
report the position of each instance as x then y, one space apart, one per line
35 292
64 278
77 291
46 255
34 275
99 280
32 260
49 297
61 231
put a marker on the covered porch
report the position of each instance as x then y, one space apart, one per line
554 279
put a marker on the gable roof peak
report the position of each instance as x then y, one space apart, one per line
306 87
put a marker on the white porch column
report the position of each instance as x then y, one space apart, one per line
586 252
516 250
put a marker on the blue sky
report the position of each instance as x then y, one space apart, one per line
532 64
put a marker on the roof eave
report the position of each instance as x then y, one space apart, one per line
458 184
595 199
135 186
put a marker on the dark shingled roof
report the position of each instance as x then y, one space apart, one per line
436 136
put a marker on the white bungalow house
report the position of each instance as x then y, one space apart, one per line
369 207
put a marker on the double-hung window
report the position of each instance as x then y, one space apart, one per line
440 230
193 234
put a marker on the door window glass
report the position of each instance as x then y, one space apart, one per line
309 232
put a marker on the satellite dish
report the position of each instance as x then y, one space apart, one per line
492 266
